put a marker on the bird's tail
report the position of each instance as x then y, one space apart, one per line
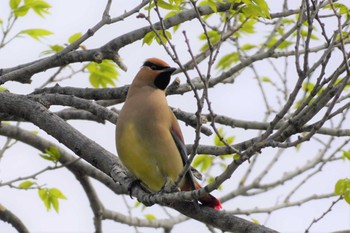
209 200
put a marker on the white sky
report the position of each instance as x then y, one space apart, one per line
241 100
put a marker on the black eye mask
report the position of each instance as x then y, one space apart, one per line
154 66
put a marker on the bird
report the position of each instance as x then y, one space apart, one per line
149 140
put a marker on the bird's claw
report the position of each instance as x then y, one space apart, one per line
131 185
147 201
168 187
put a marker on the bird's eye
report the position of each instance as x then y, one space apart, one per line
153 66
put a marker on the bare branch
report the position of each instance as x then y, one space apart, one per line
324 214
7 216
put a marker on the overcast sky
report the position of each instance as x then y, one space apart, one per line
241 100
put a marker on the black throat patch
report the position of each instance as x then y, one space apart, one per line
162 80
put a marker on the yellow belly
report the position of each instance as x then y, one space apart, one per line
151 158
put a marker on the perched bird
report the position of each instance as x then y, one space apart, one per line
148 137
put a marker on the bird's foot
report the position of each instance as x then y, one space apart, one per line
134 183
137 182
148 201
168 187
131 185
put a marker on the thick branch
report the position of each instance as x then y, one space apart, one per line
224 221
93 153
7 216
24 72
72 163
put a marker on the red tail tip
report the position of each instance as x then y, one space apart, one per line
211 201
217 205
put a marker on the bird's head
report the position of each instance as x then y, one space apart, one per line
154 72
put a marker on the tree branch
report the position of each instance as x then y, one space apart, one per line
108 163
9 217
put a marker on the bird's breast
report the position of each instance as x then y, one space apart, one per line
144 142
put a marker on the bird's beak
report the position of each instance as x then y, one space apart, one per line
169 70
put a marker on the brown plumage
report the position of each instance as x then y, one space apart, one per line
148 137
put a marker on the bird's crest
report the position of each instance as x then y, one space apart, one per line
157 62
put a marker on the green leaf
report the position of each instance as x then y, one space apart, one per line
211 4
218 142
305 33
43 194
298 103
57 193
347 197
286 21
338 81
346 155
211 179
14 4
39 7
149 37
150 217
50 197
172 5
248 26
102 74
227 60
52 154
265 79
36 33
308 87
45 157
214 37
74 37
246 47
255 221
25 184
256 8
251 11
56 48
21 11
3 88
54 203
226 156
264 8
150 6
137 204
202 162
342 186
341 8
162 37
283 45
171 14
53 49
230 139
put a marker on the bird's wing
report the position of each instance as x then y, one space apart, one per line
179 141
